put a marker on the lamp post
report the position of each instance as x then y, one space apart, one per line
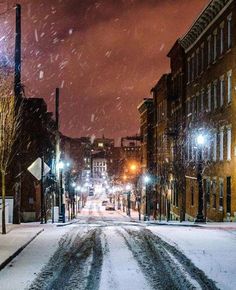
128 188
61 195
146 181
200 143
78 199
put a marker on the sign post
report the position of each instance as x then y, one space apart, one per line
39 169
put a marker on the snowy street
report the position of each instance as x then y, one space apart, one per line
106 250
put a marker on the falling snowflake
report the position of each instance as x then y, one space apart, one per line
36 35
162 46
41 73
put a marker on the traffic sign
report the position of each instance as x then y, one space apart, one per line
35 168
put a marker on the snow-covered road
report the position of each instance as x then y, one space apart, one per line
104 250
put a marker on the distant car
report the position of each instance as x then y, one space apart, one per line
110 206
104 202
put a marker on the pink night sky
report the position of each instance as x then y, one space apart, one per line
105 55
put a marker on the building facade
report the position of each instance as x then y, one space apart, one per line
210 110
201 103
146 112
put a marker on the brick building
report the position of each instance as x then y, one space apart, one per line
201 100
210 49
161 145
176 131
146 111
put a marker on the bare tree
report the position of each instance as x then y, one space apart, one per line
10 122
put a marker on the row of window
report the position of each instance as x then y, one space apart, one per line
215 149
98 163
99 169
216 45
211 98
132 149
161 111
212 189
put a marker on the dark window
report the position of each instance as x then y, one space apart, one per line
221 192
192 194
228 208
214 194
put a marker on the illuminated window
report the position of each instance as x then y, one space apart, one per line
229 144
100 144
209 97
215 146
229 86
221 37
215 93
209 50
202 57
229 32
193 68
202 100
197 62
222 144
222 90
215 44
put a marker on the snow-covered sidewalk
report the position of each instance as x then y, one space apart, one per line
25 267
16 239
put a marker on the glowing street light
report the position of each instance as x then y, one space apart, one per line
133 167
61 165
201 140
146 180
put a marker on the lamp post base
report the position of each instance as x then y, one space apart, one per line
146 218
200 219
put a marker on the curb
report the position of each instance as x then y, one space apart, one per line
17 252
174 225
157 223
67 223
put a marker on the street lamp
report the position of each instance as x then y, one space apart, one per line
200 140
147 180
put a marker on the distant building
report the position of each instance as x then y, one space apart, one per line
77 151
162 145
146 112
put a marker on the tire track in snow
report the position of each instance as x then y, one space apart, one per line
74 265
164 266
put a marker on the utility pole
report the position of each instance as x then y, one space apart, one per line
17 76
57 150
42 192
17 93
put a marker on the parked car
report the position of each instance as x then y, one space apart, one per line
104 202
110 206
